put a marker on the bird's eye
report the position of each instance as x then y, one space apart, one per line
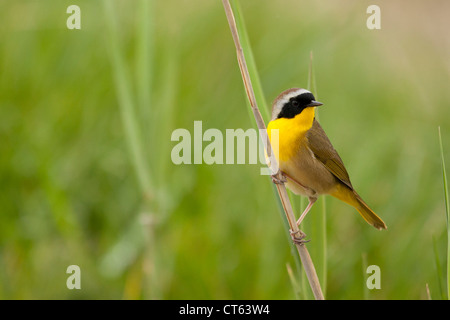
294 103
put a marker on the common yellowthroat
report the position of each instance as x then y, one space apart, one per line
306 157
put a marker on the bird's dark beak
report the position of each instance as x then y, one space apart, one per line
314 103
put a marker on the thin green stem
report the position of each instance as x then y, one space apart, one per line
447 211
317 224
126 104
364 274
144 58
294 282
438 269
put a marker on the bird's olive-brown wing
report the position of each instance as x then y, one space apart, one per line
323 150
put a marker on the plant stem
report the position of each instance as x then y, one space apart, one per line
318 221
447 211
282 192
127 106
364 274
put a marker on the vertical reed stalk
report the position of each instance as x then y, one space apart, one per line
437 261
127 105
135 111
301 248
447 211
365 264
317 223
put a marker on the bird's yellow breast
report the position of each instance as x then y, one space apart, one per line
291 134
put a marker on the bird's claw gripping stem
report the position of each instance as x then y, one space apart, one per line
298 237
279 178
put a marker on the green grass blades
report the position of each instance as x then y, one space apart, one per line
144 126
251 64
126 101
447 210
441 278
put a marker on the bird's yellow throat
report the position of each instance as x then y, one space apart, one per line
291 133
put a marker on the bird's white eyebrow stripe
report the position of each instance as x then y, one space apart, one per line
294 94
281 102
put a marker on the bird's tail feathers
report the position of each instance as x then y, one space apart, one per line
371 217
351 197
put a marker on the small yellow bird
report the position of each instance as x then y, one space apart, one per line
306 156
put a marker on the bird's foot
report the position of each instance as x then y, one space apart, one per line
298 237
279 178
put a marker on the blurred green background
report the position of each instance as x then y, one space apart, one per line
86 118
